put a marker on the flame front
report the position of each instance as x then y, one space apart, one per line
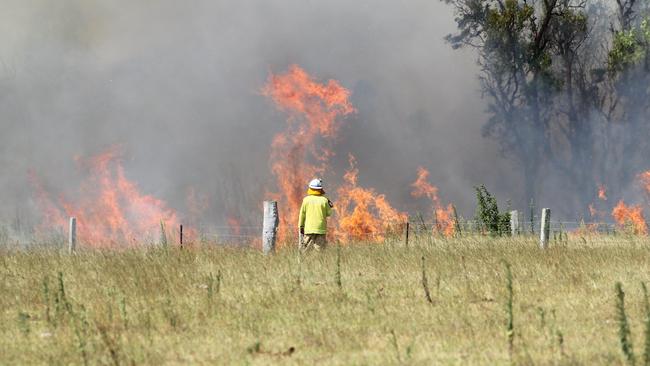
111 209
363 214
444 220
630 216
303 150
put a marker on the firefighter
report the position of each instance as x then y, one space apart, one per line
314 211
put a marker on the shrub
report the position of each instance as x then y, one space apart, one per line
488 215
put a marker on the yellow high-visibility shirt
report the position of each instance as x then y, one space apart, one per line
314 212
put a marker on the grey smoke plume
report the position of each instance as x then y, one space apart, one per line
176 85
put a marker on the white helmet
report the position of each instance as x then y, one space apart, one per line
316 184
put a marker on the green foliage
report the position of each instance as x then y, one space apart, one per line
61 303
23 322
425 283
46 298
559 336
81 330
213 285
488 215
337 274
629 47
123 313
395 346
646 323
508 27
624 334
543 71
510 323
170 312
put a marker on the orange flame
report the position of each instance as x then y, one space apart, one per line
422 187
362 213
111 209
630 216
234 225
303 151
443 215
602 192
594 212
645 181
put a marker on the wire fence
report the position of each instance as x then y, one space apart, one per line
251 235
465 227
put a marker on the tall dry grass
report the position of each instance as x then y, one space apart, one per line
215 305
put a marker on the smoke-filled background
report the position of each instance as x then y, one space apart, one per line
176 87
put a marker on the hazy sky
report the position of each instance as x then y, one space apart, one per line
176 85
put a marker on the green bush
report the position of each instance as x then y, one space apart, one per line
488 215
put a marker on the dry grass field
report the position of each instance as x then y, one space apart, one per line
218 305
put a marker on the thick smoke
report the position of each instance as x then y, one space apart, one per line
176 85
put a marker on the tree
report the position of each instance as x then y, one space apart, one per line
556 83
629 69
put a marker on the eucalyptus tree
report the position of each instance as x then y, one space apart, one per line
557 83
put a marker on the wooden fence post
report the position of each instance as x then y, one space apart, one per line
545 228
514 223
163 234
181 236
270 226
72 235
406 238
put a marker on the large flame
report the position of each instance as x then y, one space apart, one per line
110 210
444 220
630 216
303 150
316 111
363 214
